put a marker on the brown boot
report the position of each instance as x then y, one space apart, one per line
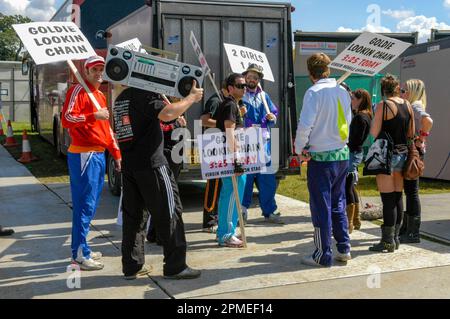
350 216
356 218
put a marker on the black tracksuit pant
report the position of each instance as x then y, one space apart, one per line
154 191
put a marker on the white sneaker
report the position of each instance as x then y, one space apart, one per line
88 264
343 257
309 261
96 255
244 214
274 219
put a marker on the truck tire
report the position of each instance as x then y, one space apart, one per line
114 178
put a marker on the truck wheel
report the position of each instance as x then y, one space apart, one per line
114 178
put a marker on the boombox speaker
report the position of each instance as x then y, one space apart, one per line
150 73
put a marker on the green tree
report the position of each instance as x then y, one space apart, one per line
10 44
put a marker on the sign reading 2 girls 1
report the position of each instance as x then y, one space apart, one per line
241 57
369 54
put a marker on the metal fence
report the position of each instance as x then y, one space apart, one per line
15 92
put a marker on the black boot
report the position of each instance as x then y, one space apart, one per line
387 240
412 234
5 231
397 236
404 224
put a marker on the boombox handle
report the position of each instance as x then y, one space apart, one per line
163 53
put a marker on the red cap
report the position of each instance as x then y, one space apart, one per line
93 61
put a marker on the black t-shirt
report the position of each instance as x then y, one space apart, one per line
228 111
212 105
138 129
359 130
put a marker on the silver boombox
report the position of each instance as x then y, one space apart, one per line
150 73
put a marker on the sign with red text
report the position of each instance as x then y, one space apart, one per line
49 42
369 54
200 56
217 160
241 57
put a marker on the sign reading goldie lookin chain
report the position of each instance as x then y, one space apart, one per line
49 42
369 54
217 160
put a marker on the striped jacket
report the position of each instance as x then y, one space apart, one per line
87 133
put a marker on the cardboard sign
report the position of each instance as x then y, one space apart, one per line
49 42
132 45
241 57
217 159
369 54
199 53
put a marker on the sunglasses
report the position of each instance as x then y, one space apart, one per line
403 91
240 86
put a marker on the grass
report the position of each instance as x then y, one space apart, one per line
49 168
295 186
53 169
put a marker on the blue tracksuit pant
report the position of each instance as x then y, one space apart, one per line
228 214
87 175
326 185
267 186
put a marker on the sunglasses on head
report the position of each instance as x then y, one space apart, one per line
240 86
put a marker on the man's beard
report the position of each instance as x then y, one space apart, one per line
252 85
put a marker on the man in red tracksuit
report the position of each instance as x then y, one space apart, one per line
91 135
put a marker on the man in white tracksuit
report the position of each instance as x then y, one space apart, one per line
322 136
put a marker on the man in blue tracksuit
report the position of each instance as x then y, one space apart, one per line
257 116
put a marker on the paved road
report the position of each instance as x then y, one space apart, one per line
33 262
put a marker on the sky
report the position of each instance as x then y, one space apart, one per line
315 15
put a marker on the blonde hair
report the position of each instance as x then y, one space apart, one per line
318 65
416 90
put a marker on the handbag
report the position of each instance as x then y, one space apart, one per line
414 166
379 157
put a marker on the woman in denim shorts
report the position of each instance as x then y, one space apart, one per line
397 124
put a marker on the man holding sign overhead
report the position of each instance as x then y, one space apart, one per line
255 101
91 134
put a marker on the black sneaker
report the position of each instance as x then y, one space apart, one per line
145 270
5 231
187 273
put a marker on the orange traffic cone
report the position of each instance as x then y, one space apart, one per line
10 140
1 128
26 150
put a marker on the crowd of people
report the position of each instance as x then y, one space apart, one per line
333 126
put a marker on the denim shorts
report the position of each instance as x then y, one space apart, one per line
356 158
398 162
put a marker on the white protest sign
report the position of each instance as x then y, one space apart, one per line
199 53
369 54
217 159
241 57
132 45
49 42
